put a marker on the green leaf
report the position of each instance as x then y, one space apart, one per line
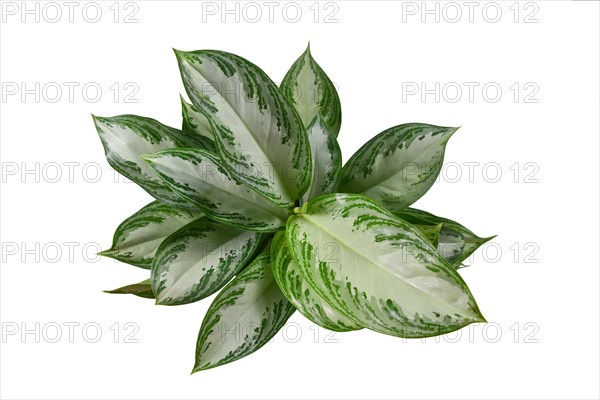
382 272
431 232
194 121
311 92
326 157
141 289
259 135
137 238
397 166
201 178
126 137
456 243
300 294
199 259
244 316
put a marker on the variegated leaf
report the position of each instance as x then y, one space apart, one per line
126 137
137 238
326 159
194 121
141 289
311 92
431 232
382 272
259 135
200 177
397 166
200 259
302 295
244 316
456 243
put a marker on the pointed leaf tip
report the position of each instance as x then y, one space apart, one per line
252 297
306 77
264 115
390 177
137 238
98 119
438 302
456 242
126 137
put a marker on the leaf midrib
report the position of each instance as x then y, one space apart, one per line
391 176
338 240
249 199
213 256
262 150
267 288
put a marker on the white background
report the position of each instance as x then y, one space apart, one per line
537 284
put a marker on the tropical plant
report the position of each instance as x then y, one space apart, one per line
252 202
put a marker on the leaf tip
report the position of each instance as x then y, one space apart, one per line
198 366
487 239
195 369
452 130
105 253
98 120
183 101
161 300
478 318
180 55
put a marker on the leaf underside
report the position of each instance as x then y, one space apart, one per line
141 289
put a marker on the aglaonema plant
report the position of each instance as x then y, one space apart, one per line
252 202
